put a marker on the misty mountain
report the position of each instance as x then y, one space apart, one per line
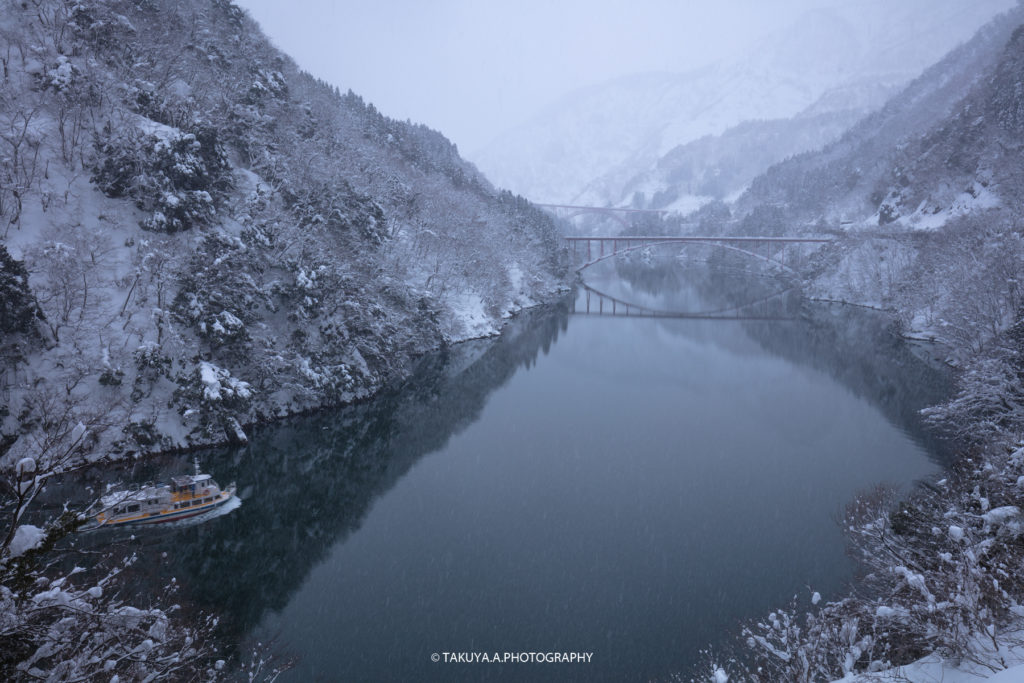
196 235
941 134
588 146
718 167
927 192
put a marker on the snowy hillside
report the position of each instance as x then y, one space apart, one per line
849 179
586 147
924 197
721 166
931 177
197 236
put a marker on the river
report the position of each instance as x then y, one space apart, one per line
629 487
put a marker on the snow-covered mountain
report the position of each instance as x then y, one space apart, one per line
195 235
719 167
926 199
586 147
935 139
929 191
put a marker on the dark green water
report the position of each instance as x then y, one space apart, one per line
631 488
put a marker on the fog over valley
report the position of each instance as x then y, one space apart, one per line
462 341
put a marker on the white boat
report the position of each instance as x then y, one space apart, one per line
185 496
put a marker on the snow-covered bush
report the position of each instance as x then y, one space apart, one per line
171 106
151 363
143 434
266 83
17 308
342 211
989 404
939 570
223 328
212 399
101 25
219 295
178 178
61 76
74 625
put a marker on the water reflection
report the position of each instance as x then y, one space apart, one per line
857 347
309 483
643 487
776 307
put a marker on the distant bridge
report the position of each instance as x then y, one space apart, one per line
597 249
621 215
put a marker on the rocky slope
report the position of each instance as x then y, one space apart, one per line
196 235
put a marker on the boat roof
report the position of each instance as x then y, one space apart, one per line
124 495
189 479
140 493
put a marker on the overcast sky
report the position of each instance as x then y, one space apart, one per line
473 68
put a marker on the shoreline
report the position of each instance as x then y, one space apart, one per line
111 458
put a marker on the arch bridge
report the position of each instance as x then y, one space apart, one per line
622 215
590 250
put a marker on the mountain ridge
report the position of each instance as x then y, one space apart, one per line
554 158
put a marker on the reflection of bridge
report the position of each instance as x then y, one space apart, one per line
597 303
596 249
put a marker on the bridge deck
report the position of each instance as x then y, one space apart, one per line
698 238
601 209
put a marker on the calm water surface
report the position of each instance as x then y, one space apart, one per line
632 488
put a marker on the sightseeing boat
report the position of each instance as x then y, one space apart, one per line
185 496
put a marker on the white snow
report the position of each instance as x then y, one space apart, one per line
1001 515
935 213
934 668
208 376
218 383
26 538
470 317
915 581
